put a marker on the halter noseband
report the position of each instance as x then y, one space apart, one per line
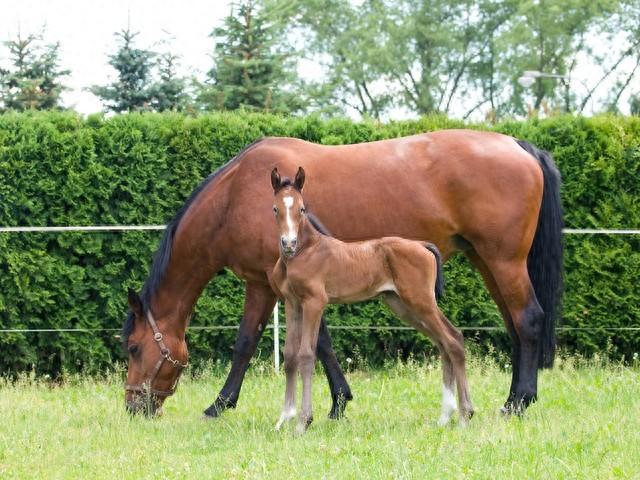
165 353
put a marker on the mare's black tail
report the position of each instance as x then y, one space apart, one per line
439 276
545 257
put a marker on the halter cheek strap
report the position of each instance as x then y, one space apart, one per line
165 355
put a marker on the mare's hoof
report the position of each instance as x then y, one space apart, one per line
519 405
339 406
512 410
217 407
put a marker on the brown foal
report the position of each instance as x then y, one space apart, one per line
315 269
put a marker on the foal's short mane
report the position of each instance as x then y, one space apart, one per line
317 224
163 254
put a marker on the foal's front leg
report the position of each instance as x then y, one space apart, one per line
291 348
311 318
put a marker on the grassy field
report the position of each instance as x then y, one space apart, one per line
586 425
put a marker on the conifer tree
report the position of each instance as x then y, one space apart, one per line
251 69
34 79
169 91
132 91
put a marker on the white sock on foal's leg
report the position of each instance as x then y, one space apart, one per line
448 404
287 414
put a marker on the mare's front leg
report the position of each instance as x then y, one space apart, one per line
291 348
259 301
311 318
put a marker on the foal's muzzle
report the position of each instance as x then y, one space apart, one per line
288 245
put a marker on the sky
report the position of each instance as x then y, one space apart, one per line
85 30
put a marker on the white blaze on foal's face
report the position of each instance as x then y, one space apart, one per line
288 209
288 203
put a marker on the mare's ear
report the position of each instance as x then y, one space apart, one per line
135 304
299 182
275 179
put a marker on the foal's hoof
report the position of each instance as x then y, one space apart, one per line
444 420
463 422
302 427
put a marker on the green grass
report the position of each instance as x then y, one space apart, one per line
586 425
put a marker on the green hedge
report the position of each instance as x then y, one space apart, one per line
60 169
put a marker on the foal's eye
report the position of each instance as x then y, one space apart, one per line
134 350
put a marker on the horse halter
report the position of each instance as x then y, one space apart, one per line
145 387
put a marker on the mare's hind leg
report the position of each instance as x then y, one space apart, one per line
491 284
340 391
512 278
291 348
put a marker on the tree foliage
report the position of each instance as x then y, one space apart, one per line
132 90
33 80
463 57
169 91
252 68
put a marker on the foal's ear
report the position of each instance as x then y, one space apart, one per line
135 304
299 181
275 179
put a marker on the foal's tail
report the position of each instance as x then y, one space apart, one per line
545 257
439 276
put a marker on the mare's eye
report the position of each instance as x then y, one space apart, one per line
275 210
134 350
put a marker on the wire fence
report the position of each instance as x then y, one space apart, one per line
124 228
276 325
270 326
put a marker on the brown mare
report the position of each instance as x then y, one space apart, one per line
315 269
492 197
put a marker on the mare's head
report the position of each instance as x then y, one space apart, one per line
289 210
157 356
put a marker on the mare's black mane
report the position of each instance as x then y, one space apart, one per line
163 254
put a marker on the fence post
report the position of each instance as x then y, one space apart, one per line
276 339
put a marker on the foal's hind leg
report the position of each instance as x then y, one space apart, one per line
291 348
448 389
433 328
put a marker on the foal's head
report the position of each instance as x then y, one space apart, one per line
289 209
